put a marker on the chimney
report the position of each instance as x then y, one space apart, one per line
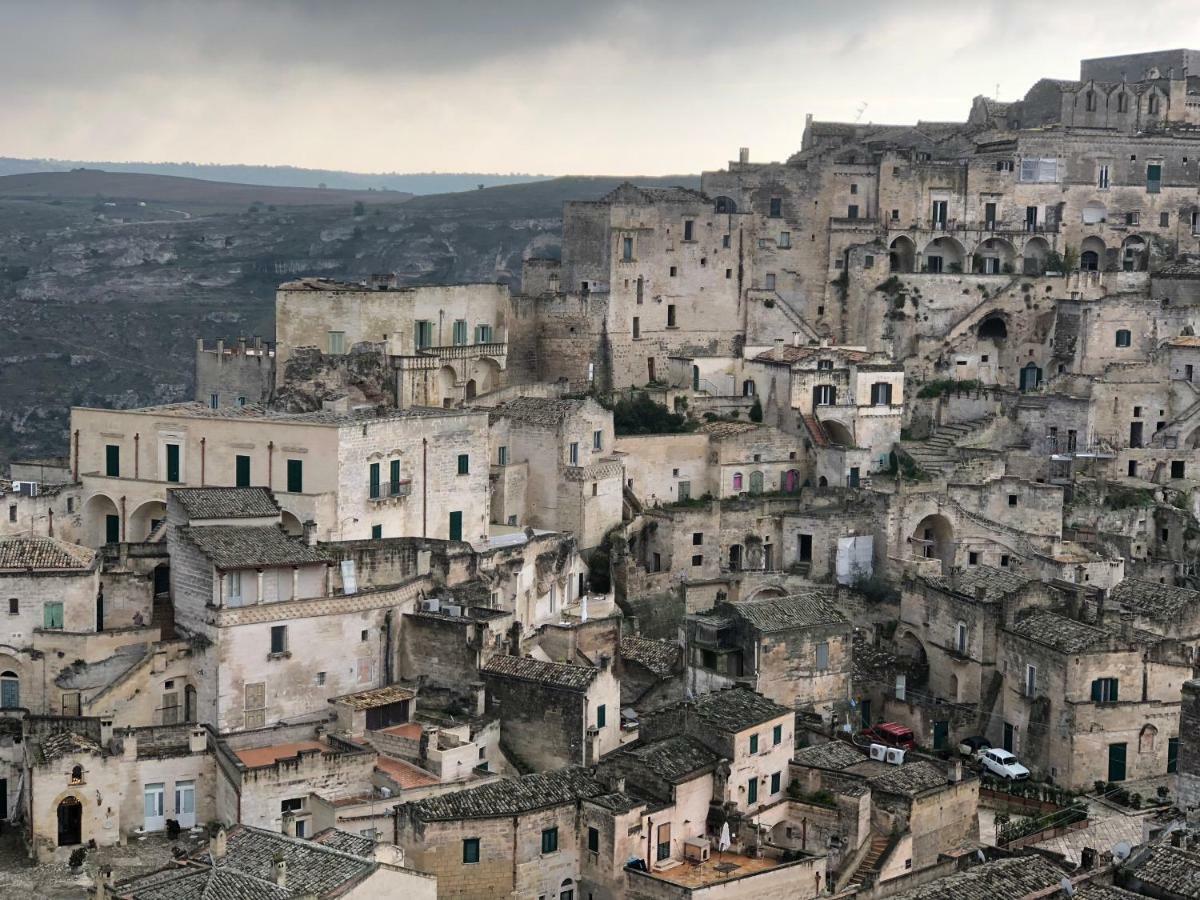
106 731
198 742
743 154
955 773
129 745
216 845
605 659
279 870
981 592
103 882
289 823
479 697
310 533
795 339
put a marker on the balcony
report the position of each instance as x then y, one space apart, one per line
469 351
378 492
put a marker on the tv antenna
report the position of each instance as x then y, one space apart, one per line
862 108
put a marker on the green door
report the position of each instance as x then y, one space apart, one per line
456 526
173 463
1116 762
112 529
1172 755
295 476
941 734
243 471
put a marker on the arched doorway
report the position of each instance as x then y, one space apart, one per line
1091 254
10 689
994 257
993 328
943 254
912 660
447 381
933 538
486 375
838 433
1034 256
145 519
756 482
469 389
790 482
724 205
1031 377
1134 254
102 521
902 255
70 822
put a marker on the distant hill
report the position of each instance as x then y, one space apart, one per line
283 176
88 184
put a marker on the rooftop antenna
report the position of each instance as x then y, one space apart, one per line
862 108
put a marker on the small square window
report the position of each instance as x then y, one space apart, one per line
320 678
362 636
1004 559
674 271
470 853
698 560
550 840
973 558
697 538
854 188
1012 499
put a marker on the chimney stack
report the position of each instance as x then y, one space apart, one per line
129 744
310 533
605 659
106 731
279 870
743 155
479 697
981 592
289 823
216 844
198 741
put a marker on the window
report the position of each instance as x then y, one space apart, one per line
754 743
460 332
1030 681
550 840
895 215
1122 103
1004 165
1104 690
574 453
1039 170
422 334
868 261
483 334
1153 105
670 315
70 707
394 478
337 342
627 249
770 281
10 690
725 238
241 474
601 716
687 229
502 456
1164 220
241 401
824 395
776 207
1004 559
822 656
637 327
737 481
777 735
1012 499
153 796
279 639
785 239
973 558
464 464
320 678
470 850
376 532
12 514
940 211
674 271
1177 468
752 791
374 480
1091 101
295 476
456 525
254 703
881 394
233 588
1123 337
14 606
776 780
112 460
52 616
292 804
1102 177
729 272
593 840
960 637
1133 218
697 538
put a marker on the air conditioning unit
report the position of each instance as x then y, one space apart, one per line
433 604
895 756
696 850
452 609
28 488
878 751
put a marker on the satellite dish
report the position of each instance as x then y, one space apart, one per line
1067 887
981 857
1121 850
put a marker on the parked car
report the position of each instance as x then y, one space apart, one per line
892 734
971 747
1003 764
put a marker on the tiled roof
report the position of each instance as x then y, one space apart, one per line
537 410
354 844
524 668
735 709
790 353
67 743
246 871
1103 892
720 429
1001 879
248 546
1169 869
1155 601
226 503
627 192
253 411
405 774
910 779
830 755
672 759
509 797
805 610
996 583
391 693
660 657
1060 633
25 553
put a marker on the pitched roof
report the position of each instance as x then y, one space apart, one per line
1169 869
509 797
1153 600
226 503
250 546
345 841
660 657
525 668
1060 633
996 583
66 743
830 755
672 759
370 699
44 553
804 610
732 709
1001 879
720 428
550 411
909 779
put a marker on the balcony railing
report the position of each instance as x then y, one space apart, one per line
385 490
469 351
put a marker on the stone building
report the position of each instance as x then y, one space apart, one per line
235 375
416 472
554 714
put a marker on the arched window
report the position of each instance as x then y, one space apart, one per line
567 890
1123 337
1153 105
77 775
737 481
1147 738
10 690
1122 103
960 637
1091 101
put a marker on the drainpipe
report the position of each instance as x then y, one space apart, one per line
50 516
203 442
122 519
137 440
270 463
75 476
387 647
424 486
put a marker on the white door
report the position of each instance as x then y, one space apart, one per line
155 820
185 803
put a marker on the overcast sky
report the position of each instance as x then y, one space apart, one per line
551 86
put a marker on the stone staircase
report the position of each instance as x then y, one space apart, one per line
938 453
868 869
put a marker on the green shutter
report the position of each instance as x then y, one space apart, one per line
112 461
394 477
775 783
374 470
112 529
600 716
464 464
456 526
173 463
1096 690
52 615
295 476
242 465
752 790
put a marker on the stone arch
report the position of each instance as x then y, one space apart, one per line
96 516
902 255
838 433
1091 254
1034 256
447 384
954 688
1135 254
291 524
912 659
1094 213
933 538
993 328
994 257
1193 440
1147 738
69 810
10 683
767 590
724 205
144 519
943 254
485 372
822 481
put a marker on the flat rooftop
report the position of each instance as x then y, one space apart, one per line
265 756
720 867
